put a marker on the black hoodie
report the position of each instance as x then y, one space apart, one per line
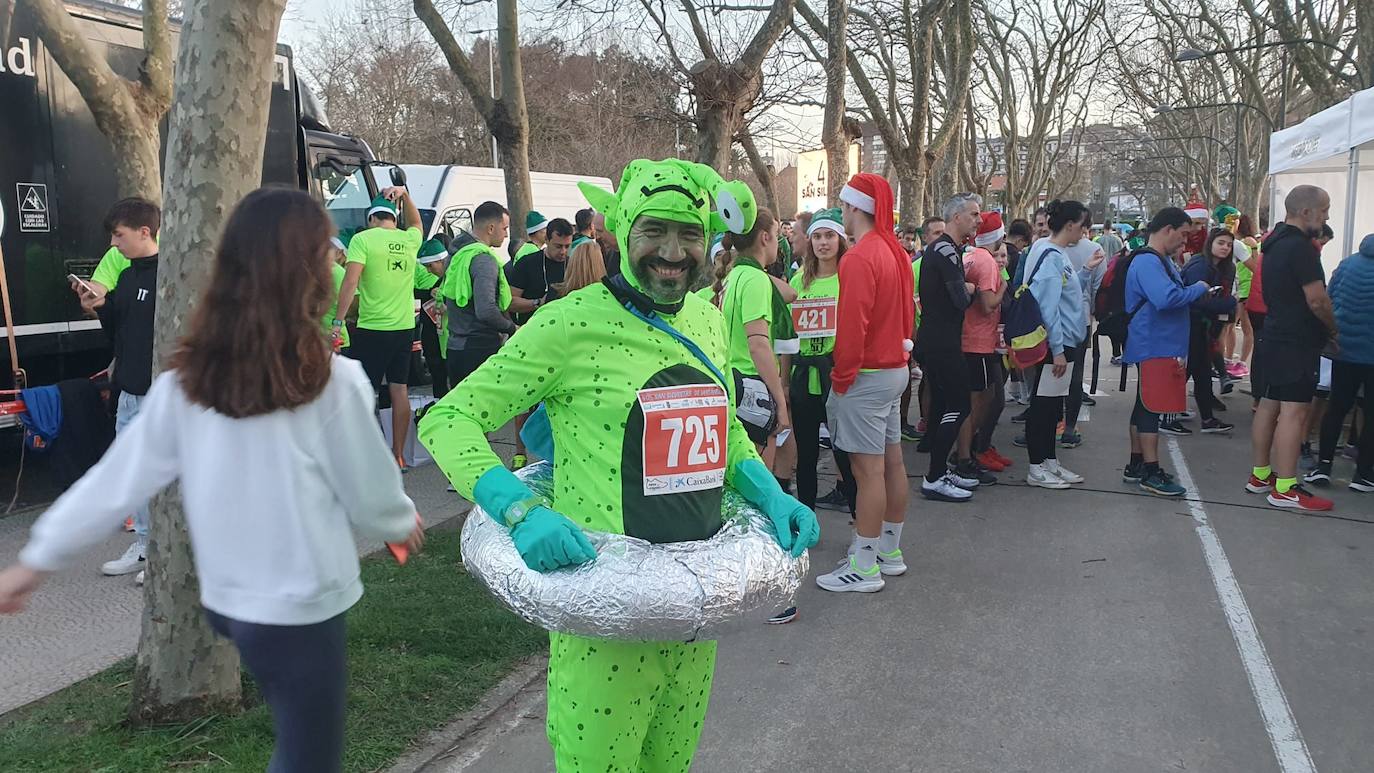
127 318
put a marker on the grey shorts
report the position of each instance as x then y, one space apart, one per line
868 418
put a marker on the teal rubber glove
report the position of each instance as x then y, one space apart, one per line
794 524
547 540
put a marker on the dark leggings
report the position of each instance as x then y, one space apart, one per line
947 373
1145 421
302 671
1074 402
1346 380
1200 366
462 362
434 356
808 411
1256 359
1042 418
982 436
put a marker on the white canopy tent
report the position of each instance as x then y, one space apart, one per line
1333 149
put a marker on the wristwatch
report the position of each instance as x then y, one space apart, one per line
518 511
337 323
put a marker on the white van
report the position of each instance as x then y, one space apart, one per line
447 195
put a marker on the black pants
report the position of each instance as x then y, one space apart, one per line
1042 418
947 372
1256 360
302 671
1200 366
1347 378
1074 402
434 356
462 362
808 412
982 435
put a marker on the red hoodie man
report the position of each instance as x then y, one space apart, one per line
872 345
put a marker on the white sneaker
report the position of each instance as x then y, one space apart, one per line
1062 472
967 484
945 490
130 562
138 579
1040 475
846 578
892 564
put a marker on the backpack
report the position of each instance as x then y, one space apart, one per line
1023 325
1113 319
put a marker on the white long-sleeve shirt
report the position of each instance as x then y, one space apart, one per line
269 499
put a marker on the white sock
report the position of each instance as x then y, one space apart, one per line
891 539
865 552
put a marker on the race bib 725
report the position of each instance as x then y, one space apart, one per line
684 438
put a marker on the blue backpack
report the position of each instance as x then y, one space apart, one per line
1022 324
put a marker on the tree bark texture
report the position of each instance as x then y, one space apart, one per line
765 174
214 158
833 135
126 112
724 92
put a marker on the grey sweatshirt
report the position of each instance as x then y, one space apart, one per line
481 323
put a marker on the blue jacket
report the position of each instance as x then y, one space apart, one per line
1059 290
1156 294
1352 296
1202 269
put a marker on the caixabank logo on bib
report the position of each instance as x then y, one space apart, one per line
18 59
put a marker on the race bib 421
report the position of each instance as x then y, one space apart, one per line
684 438
814 317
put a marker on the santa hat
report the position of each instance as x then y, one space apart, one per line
871 193
990 230
535 222
1196 207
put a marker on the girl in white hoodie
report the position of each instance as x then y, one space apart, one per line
279 456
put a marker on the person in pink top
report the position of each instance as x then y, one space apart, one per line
980 340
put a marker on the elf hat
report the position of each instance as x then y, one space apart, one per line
432 251
990 230
827 218
338 244
717 246
382 206
535 222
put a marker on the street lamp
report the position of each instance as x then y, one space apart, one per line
491 81
1235 145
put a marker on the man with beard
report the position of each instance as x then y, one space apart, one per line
630 371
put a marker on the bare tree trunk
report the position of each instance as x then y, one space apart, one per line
762 171
1364 41
127 113
513 139
6 16
723 94
833 136
214 155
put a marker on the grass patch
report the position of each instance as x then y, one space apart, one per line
424 644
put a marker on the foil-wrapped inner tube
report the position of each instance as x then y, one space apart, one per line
637 590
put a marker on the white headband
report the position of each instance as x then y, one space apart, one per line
820 223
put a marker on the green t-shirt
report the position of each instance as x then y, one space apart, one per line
590 362
338 273
748 297
1243 278
916 285
111 265
528 248
824 288
424 278
386 291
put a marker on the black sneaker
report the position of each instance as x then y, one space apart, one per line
1134 472
1216 426
971 469
1227 387
1020 418
1174 427
783 616
910 433
1089 401
1320 475
835 500
1363 483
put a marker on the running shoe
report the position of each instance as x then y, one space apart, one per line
1238 369
783 617
1089 401
1161 484
1215 426
1041 476
1071 438
921 427
1062 472
1320 475
962 481
129 523
1019 441
944 490
846 578
998 454
1134 472
911 434
1116 360
519 461
1363 483
1185 416
989 461
892 564
138 579
835 500
1350 452
1257 486
1228 385
1020 418
1174 427
969 470
130 562
1299 498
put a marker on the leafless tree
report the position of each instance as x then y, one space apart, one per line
834 138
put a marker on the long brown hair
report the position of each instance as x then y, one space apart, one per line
811 264
256 343
586 266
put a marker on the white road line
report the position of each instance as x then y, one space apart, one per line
1289 747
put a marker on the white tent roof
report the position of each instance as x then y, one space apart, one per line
1326 137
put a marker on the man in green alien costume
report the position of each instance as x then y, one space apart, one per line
644 427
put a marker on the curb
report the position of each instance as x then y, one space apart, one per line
440 743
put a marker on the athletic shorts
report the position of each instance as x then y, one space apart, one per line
868 418
1290 372
384 354
983 370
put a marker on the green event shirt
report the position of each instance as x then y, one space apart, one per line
916 283
586 358
111 265
1243 278
424 278
338 275
528 248
748 297
386 290
826 287
457 285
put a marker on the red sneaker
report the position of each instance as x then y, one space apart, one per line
1299 498
990 462
1257 486
921 426
999 457
129 523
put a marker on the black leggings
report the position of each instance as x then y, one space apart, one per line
1200 366
1074 402
808 411
1042 418
1346 380
462 362
982 435
302 671
947 372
